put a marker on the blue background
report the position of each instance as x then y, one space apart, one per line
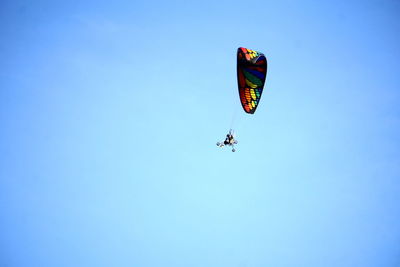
110 111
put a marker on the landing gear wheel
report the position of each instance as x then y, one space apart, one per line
233 150
218 144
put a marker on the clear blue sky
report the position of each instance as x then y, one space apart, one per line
110 111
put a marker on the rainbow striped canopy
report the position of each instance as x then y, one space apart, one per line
251 73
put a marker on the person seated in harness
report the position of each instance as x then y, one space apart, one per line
229 140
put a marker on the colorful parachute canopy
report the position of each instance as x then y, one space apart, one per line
251 73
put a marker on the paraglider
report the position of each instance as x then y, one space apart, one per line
251 75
